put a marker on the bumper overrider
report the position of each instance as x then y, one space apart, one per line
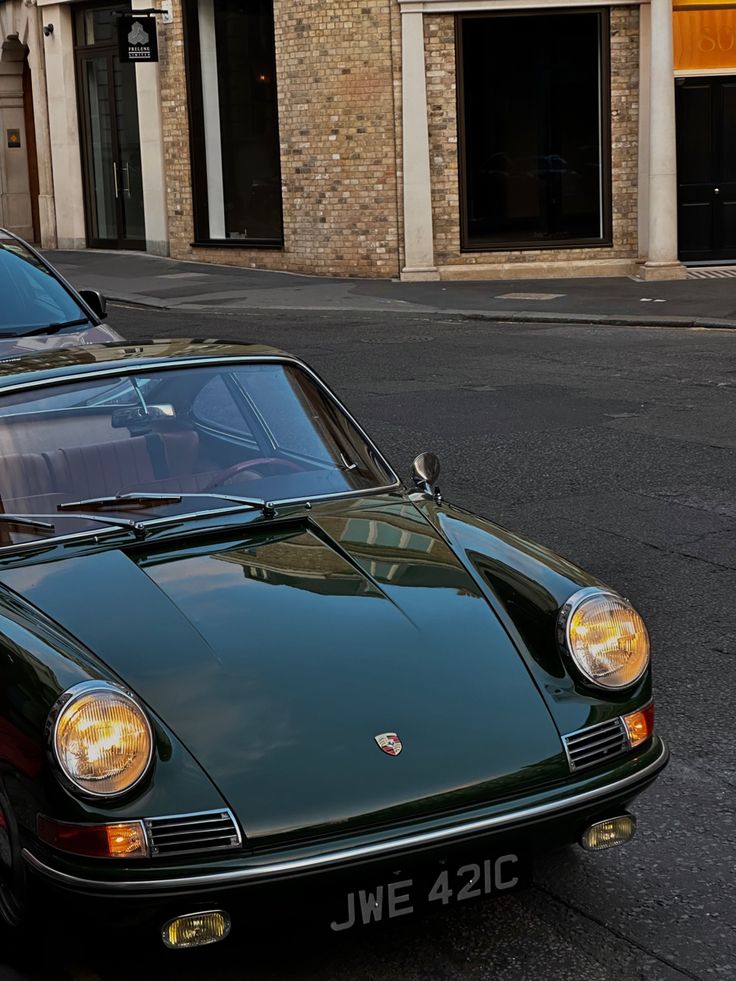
531 825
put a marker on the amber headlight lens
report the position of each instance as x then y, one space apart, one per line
102 740
606 638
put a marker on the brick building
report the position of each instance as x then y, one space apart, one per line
385 138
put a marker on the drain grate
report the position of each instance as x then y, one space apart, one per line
712 272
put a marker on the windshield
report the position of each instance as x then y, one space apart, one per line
31 296
256 430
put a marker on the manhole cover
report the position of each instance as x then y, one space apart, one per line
181 275
529 296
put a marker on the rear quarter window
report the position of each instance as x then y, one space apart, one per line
216 408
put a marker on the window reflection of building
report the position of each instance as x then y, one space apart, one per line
386 545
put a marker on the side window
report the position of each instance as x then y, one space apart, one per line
216 408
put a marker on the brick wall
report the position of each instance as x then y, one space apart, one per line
338 152
442 109
175 126
339 89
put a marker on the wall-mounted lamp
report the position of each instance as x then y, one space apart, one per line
48 29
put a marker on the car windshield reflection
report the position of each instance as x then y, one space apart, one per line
32 297
177 441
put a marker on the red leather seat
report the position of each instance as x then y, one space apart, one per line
25 475
101 469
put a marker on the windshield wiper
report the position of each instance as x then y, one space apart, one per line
119 501
133 499
42 522
50 328
23 521
83 511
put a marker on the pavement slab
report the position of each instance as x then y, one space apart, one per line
136 277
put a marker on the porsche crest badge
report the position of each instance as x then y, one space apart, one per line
389 742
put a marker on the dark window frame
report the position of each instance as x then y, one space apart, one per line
605 240
83 50
197 161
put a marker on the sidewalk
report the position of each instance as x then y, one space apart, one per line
138 278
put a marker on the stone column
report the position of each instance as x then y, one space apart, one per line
418 232
645 49
150 127
662 261
64 136
37 65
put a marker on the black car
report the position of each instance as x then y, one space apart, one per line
248 675
40 311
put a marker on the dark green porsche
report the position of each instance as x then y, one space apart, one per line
244 667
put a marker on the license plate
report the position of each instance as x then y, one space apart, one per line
451 884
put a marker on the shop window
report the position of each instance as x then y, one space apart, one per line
534 130
233 116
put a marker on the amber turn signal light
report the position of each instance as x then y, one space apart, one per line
640 725
124 840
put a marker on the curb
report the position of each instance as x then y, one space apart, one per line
491 316
146 304
597 319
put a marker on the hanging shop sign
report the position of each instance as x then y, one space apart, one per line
137 38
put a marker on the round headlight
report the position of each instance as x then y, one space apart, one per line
101 739
606 638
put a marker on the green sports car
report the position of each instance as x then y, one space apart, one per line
244 667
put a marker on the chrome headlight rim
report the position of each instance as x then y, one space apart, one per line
564 619
64 701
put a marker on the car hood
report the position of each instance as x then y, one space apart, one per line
20 346
279 656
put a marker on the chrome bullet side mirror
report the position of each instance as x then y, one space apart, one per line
426 472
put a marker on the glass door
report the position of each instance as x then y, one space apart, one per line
111 155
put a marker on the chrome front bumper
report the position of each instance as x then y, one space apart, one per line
554 805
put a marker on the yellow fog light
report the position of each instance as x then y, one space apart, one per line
608 834
196 929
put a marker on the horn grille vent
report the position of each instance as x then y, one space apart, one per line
185 834
596 744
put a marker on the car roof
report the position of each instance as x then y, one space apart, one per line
66 363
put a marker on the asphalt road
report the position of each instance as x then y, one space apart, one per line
616 447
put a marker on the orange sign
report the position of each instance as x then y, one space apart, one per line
704 38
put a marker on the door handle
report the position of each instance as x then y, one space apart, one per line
716 190
126 187
115 175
